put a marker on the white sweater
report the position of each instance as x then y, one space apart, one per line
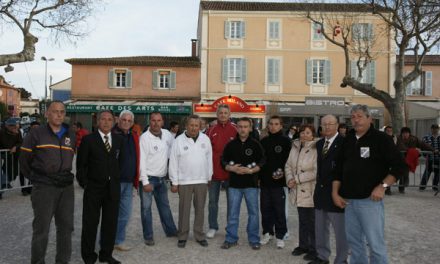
190 162
154 154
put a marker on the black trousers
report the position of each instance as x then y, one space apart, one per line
98 202
306 226
273 213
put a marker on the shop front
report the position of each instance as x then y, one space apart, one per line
239 108
85 111
313 108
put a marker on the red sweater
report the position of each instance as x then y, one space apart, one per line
220 135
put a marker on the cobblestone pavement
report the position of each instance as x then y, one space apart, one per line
412 234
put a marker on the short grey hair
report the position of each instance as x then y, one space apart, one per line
126 112
360 107
224 106
195 117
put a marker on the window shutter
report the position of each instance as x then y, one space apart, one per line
271 30
227 29
172 80
309 71
155 77
111 78
355 31
225 70
372 72
408 86
243 70
270 71
369 32
354 70
243 29
428 83
128 79
327 72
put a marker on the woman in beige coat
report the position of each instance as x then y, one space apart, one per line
301 179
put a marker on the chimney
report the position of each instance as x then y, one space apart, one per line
193 48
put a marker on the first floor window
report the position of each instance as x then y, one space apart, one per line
422 85
164 79
119 78
234 70
318 72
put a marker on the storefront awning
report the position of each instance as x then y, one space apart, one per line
423 110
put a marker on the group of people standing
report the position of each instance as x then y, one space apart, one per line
332 180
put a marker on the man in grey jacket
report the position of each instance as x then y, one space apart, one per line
46 159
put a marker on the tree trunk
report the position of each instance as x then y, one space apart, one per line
27 54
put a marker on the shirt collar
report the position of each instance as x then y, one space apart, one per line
331 139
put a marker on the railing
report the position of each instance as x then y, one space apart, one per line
428 167
10 172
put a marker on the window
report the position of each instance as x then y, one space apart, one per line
119 78
234 70
164 79
318 72
235 29
273 71
274 30
317 32
368 72
422 85
362 31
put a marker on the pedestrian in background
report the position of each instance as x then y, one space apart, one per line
46 159
190 171
433 165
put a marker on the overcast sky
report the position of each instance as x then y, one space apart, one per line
119 28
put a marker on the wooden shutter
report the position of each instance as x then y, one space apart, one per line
428 83
154 79
309 72
372 72
111 78
227 29
128 79
172 80
243 29
225 70
327 72
243 70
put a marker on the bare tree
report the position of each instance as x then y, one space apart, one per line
62 18
414 26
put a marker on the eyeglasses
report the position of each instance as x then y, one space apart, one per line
328 125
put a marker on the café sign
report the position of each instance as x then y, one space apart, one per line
236 104
325 101
137 109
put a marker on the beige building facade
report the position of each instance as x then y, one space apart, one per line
270 54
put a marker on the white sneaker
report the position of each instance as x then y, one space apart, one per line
211 233
280 243
265 239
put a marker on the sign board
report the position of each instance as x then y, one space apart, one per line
136 109
236 104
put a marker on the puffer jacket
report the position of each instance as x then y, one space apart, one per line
302 166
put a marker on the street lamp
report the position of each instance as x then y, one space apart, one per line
45 75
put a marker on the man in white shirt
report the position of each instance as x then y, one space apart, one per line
190 171
155 145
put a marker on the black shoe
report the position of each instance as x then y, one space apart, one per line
255 246
109 260
435 188
25 193
172 235
311 255
181 243
228 245
422 188
149 242
299 251
203 243
319 261
388 191
401 190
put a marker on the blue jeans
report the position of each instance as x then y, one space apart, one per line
125 205
364 219
160 193
214 195
234 204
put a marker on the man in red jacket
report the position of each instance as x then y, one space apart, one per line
80 132
219 134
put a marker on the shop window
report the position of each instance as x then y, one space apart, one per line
164 79
119 78
422 85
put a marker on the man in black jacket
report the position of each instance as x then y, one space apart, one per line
46 159
368 163
272 182
99 174
326 212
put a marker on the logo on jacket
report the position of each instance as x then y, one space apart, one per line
67 141
248 152
278 149
185 148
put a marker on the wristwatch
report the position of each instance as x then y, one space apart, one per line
385 185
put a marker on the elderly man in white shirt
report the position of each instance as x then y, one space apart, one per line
155 145
190 172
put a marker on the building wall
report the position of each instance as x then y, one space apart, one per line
10 96
296 48
435 69
91 81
